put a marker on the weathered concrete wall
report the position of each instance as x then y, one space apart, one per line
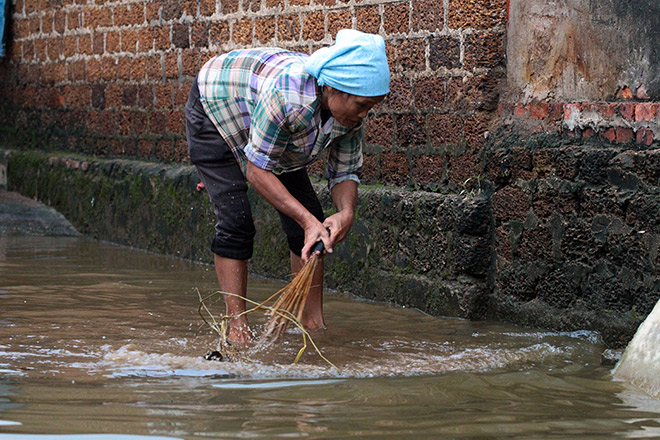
583 50
423 250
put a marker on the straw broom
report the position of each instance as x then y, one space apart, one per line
292 298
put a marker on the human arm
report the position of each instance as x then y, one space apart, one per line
344 196
275 193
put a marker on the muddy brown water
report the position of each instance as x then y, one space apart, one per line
100 341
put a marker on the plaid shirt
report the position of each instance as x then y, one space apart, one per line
268 110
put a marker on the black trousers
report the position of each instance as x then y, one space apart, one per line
227 188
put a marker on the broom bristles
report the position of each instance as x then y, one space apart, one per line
291 301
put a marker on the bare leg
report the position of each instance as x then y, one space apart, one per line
232 277
312 318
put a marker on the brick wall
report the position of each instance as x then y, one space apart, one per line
111 77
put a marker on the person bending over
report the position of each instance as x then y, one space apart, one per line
262 116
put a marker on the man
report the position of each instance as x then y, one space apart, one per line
261 116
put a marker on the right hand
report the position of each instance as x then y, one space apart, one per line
314 233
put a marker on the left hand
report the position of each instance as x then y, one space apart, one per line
339 224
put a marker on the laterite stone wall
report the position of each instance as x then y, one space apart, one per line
110 78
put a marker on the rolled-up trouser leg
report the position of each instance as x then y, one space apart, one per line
224 181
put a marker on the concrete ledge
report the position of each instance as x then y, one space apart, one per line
424 250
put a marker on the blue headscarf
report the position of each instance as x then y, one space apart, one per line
355 64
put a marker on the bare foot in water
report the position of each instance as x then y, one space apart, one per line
313 321
239 332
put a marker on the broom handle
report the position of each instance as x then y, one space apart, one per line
319 247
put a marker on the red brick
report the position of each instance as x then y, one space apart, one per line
41 49
411 54
93 70
181 94
124 123
129 39
475 129
164 150
156 122
154 69
312 26
444 52
181 35
510 203
74 20
200 34
164 95
162 37
242 31
113 96
145 148
607 110
124 67
624 135
379 130
539 110
129 94
85 44
338 21
624 93
445 129
60 71
429 93
219 33
140 122
98 17
171 10
626 110
46 25
484 50
175 122
146 39
107 121
138 68
411 131
191 62
231 6
181 151
428 171
395 18
288 27
400 96
171 65
59 21
395 169
294 2
427 15
127 15
207 7
145 96
69 45
54 48
610 134
108 68
76 70
98 43
111 42
464 170
644 111
368 19
477 15
644 136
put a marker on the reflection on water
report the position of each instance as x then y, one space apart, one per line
100 339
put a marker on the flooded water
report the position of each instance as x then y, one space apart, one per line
99 341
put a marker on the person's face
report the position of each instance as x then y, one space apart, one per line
349 109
